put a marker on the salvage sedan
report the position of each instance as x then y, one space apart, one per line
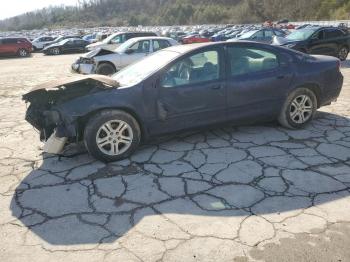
106 62
183 87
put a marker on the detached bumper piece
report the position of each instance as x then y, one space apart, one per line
55 145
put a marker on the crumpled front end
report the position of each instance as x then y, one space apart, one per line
45 112
86 63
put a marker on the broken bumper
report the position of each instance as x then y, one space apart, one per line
55 145
85 69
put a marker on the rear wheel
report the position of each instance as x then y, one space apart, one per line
299 109
22 52
112 135
105 69
343 53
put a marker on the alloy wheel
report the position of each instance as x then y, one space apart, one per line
114 137
301 109
22 53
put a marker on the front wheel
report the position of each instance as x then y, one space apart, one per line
105 69
343 53
112 135
299 109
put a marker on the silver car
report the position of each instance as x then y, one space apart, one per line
106 62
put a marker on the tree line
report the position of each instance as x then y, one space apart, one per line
91 13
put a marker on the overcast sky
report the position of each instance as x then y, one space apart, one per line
11 8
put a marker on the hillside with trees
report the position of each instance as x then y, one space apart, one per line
91 13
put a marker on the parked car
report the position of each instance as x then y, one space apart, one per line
39 42
262 35
115 40
16 46
318 40
90 38
61 38
169 91
105 62
71 45
191 39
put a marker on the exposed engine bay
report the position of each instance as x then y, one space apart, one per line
44 110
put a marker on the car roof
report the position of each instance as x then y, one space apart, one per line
182 49
151 38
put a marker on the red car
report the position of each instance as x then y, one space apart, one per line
15 46
191 39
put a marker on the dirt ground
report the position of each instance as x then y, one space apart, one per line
256 193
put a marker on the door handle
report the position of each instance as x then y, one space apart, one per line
280 77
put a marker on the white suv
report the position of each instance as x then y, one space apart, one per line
106 62
38 43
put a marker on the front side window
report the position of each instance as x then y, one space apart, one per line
268 34
250 60
319 35
258 35
140 47
118 39
198 68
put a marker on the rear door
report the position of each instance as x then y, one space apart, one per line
334 40
318 43
192 92
257 82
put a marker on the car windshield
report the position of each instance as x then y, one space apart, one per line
137 72
123 47
63 41
301 34
108 39
58 39
248 34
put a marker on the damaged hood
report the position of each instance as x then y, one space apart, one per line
70 81
98 52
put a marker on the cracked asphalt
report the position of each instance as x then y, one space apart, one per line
256 193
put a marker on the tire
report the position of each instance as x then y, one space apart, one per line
120 145
23 53
343 53
296 112
55 51
105 69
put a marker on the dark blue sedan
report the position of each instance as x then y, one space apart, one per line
183 87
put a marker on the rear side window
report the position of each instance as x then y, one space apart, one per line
160 44
333 33
9 41
250 60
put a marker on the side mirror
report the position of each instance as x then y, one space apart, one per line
129 51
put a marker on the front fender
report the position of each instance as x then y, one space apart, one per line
76 112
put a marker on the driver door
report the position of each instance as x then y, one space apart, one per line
192 92
136 52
